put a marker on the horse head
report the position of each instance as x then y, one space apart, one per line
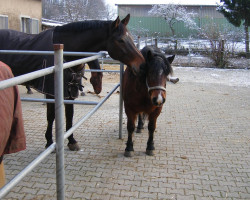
157 68
121 46
96 77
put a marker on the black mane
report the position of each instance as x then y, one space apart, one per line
82 26
156 52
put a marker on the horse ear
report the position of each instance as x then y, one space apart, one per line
171 59
115 23
126 20
149 55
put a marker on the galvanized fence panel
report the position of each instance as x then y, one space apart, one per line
59 101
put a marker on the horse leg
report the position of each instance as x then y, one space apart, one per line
50 120
151 129
141 121
69 112
29 91
130 127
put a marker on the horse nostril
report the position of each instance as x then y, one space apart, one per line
158 101
154 101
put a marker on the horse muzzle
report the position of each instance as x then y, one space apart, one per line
158 100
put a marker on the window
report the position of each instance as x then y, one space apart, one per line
25 25
4 22
34 26
29 25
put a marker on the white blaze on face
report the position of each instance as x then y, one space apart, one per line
159 99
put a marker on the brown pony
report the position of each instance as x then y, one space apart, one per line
146 93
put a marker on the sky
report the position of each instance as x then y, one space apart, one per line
186 2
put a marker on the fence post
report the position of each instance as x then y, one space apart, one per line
156 43
58 82
121 101
221 52
138 44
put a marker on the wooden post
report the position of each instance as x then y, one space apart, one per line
156 42
138 44
2 175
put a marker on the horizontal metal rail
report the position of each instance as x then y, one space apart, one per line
73 128
51 148
102 70
5 190
64 101
65 53
27 77
40 73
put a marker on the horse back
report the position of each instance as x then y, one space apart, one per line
15 40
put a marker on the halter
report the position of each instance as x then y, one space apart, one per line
155 87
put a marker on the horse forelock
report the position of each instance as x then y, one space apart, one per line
157 53
82 26
168 68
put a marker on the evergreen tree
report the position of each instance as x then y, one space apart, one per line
237 12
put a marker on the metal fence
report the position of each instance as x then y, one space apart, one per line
58 68
190 46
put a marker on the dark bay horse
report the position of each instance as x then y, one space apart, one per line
75 85
146 93
88 36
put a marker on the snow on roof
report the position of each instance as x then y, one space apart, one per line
52 23
181 2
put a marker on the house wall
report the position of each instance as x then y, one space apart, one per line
15 9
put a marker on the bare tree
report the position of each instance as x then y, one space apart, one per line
74 10
173 13
218 48
109 12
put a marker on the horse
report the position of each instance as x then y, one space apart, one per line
146 93
90 36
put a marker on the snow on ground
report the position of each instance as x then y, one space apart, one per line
230 77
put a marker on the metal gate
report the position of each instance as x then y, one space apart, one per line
58 68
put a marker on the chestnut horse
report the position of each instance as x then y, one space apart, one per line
146 93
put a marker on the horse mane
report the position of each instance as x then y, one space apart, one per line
157 53
168 70
82 26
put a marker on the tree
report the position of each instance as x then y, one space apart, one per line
237 12
173 13
74 10
110 13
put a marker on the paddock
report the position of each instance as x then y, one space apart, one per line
202 145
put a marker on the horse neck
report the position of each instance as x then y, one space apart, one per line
138 82
85 41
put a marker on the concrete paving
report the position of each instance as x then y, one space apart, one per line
202 146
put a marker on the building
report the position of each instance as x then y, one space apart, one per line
21 15
156 26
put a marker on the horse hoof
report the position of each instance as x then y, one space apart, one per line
139 130
29 92
129 154
74 147
48 144
150 152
